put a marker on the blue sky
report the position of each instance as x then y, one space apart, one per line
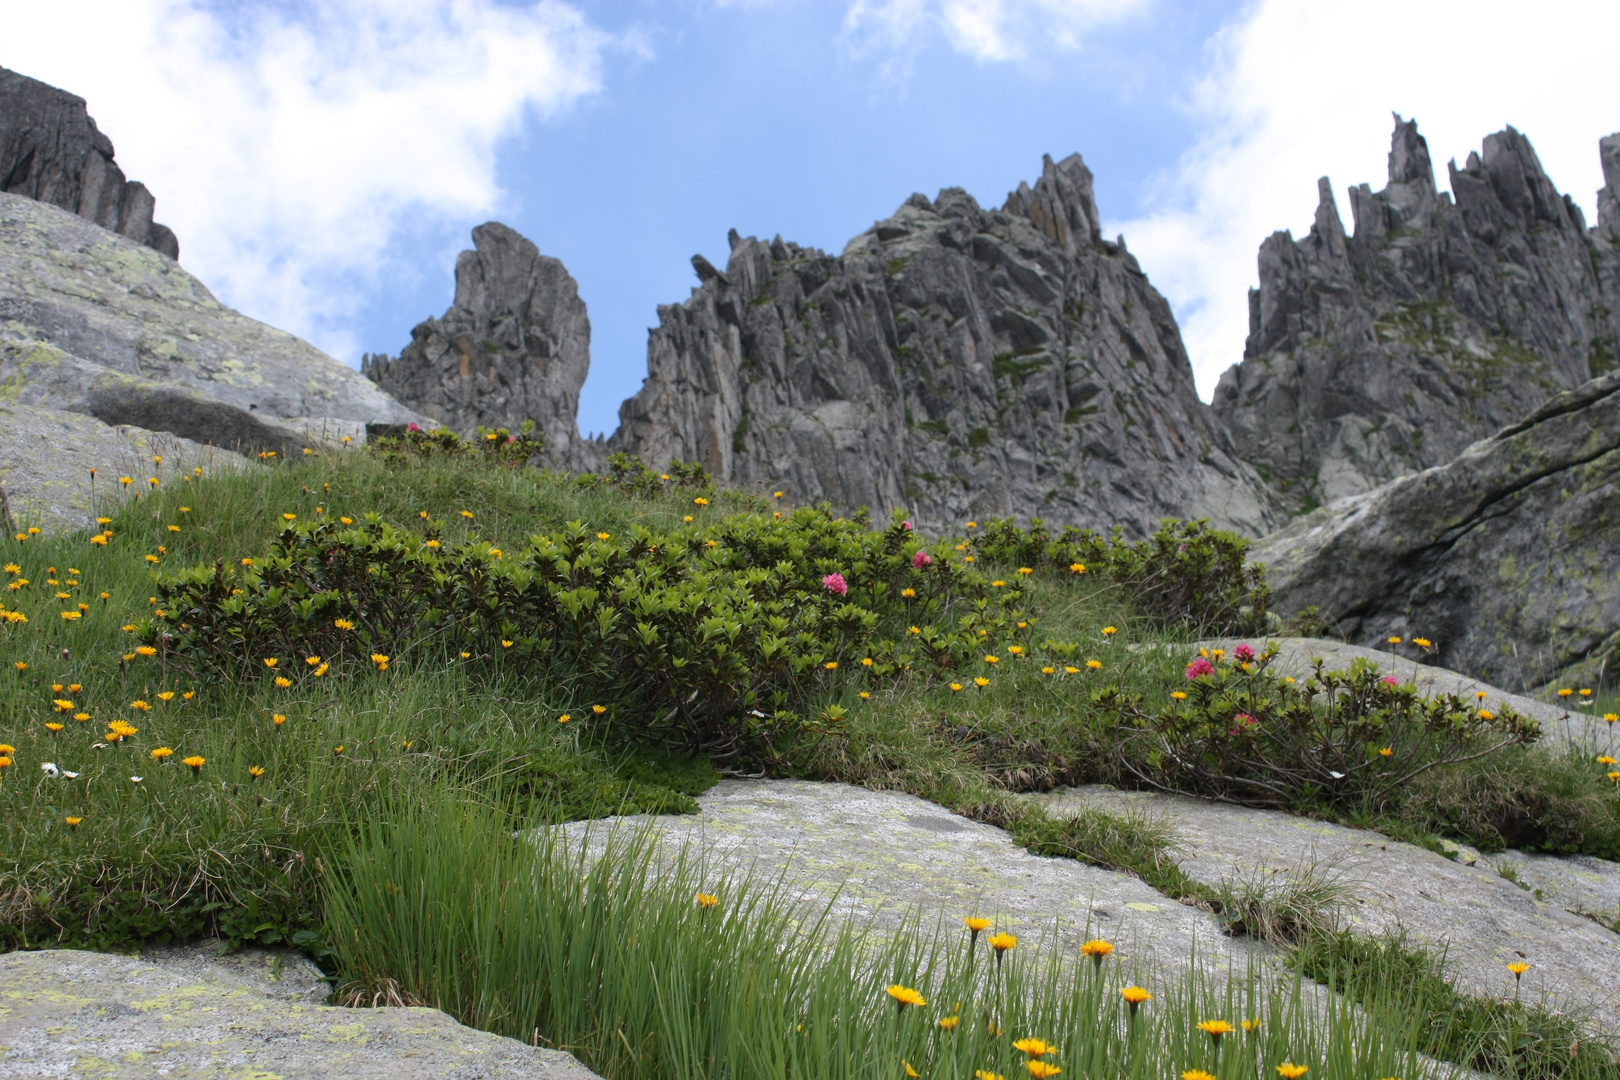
323 163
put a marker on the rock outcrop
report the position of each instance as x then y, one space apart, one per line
51 150
514 346
1440 320
953 360
1505 557
183 1011
94 324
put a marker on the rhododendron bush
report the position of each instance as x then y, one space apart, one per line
1236 731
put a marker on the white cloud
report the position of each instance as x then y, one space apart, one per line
1304 88
893 31
289 146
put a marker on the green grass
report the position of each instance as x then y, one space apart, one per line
476 749
622 968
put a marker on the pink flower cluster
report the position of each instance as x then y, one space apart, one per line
1199 668
1390 680
921 559
835 584
1243 653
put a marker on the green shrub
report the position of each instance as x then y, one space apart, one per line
1184 575
1238 733
397 445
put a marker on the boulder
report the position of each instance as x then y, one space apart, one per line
514 346
1462 905
957 361
46 458
1441 319
51 150
1505 557
186 1012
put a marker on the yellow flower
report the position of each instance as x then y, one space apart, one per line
145 650
321 670
1041 1069
865 694
1196 1074
430 543
343 624
64 705
973 524
687 519
774 494
905 995
910 1072
976 924
564 718
1110 631
81 717
151 558
506 643
1289 1071
271 662
1604 760
1049 670
1026 570
603 536
278 719
949 1022
866 661
1016 650
1249 1025
1610 717
992 659
993 584
1386 751
162 753
981 682
467 514
73 822
174 528
700 501
955 686
1001 942
194 763
908 593
1486 714
831 665
141 705
289 517
1096 949
1215 1028
5 761
598 709
1179 695
1565 692
1585 691
707 900
913 630
1077 568
312 660
247 562
380 660
1615 776
1033 1047
346 520
1094 665
1134 996
53 727
495 553
283 682
165 696
99 540
1422 643
1071 670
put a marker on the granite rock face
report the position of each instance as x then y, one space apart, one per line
51 150
956 361
1505 557
1462 905
1441 319
182 1012
514 346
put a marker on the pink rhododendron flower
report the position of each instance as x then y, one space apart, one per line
835 583
1243 653
413 426
1390 680
906 525
1200 667
921 559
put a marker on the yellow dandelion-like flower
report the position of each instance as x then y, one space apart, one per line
1196 1074
195 763
976 925
1034 1047
598 709
162 753
1134 997
603 536
707 900
165 696
981 682
1250 1026
992 659
289 517
380 660
1072 670
1386 751
831 665
1048 670
1215 1028
1041 1069
283 682
145 650
905 995
278 718
908 593
73 822
343 624
564 718
53 727
143 706
1094 665
1026 570
271 662
1077 568
1486 714
1289 1071
81 717
1096 949
913 1074
1002 942
949 1022
993 584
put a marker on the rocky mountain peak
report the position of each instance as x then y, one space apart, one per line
1062 204
513 346
52 151
1441 319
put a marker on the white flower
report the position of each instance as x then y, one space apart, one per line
1336 775
137 779
69 775
49 768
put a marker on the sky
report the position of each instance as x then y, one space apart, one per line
323 162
